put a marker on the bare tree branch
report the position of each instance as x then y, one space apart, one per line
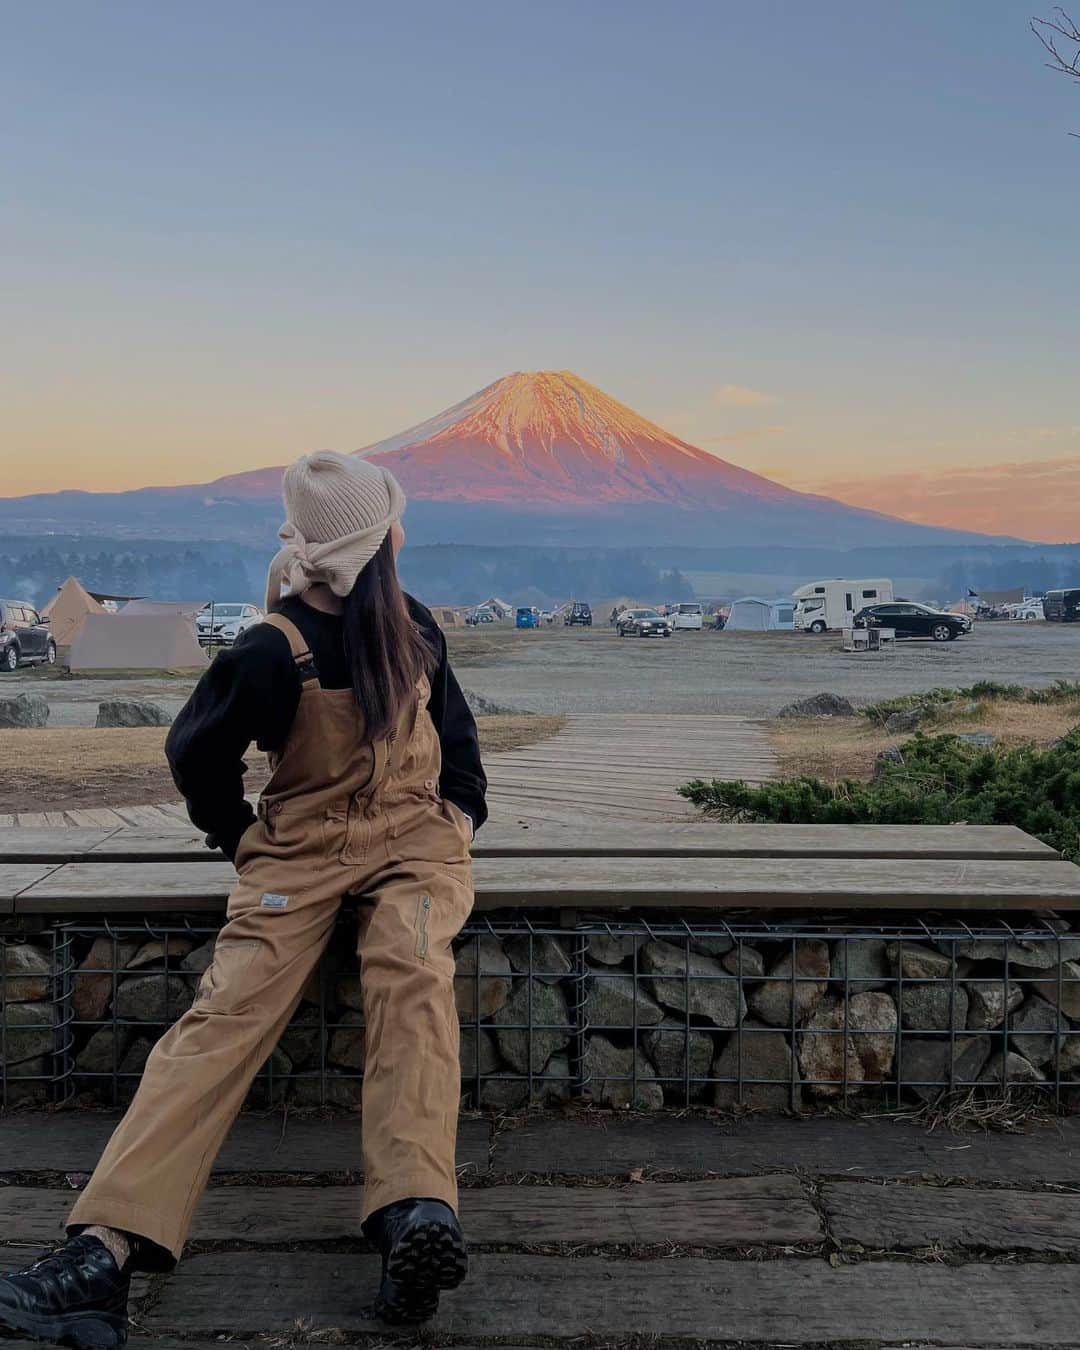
1051 33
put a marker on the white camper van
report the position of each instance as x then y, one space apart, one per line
822 605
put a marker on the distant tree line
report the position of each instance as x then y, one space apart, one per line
1035 574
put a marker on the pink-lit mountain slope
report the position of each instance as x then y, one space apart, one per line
546 436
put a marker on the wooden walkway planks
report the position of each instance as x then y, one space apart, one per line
590 838
790 1302
770 883
823 1146
72 1141
746 1211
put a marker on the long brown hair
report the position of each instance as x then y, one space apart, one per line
387 652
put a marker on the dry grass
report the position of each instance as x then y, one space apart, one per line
67 768
832 748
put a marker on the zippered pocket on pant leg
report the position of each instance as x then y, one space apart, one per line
423 913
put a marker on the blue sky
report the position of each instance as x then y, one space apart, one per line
232 232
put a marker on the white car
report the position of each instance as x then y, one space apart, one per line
1030 610
222 624
686 616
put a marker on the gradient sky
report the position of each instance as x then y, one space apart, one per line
835 243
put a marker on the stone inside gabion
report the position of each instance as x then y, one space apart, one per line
630 1020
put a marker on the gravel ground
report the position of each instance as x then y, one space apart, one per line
559 670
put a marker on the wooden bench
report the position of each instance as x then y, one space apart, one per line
602 865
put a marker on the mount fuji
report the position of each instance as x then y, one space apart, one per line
536 458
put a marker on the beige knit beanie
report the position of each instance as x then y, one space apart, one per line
339 509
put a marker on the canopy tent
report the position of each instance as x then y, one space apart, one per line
187 608
67 611
136 642
751 614
498 607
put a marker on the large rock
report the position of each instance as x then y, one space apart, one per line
713 946
1035 1031
610 949
153 998
864 963
934 1007
199 960
611 1071
743 960
772 1001
302 1038
93 984
348 1048
131 712
982 740
989 1001
710 991
333 1088
892 757
504 1092
104 1052
819 705
23 711
866 1051
1062 991
271 1085
30 1081
484 1042
132 1066
1010 1068
672 1052
155 954
494 983
757 1051
550 1025
25 973
27 1031
924 1064
917 962
906 719
549 959
617 1001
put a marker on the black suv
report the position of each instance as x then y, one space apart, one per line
579 613
914 621
1062 606
24 636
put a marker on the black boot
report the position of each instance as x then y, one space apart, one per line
74 1295
423 1251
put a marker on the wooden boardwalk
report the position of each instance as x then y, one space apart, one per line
597 767
765 1231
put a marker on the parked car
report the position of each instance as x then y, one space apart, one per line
25 639
643 623
914 621
686 616
1030 611
578 613
1062 606
479 616
223 624
528 616
547 616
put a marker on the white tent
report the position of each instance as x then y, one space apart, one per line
751 614
136 642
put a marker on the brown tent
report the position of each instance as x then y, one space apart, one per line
136 642
67 611
446 617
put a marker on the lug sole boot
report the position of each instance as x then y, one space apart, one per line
424 1252
73 1296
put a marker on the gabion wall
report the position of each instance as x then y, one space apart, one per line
630 1014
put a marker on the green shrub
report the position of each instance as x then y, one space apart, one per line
943 780
983 691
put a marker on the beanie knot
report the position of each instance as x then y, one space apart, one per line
339 509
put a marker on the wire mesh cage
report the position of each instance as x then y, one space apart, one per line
631 1012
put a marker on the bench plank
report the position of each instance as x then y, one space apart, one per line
611 838
790 1302
18 877
72 1141
903 1217
843 883
828 1147
746 1211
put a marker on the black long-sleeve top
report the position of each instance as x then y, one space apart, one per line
251 693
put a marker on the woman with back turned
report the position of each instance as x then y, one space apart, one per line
375 791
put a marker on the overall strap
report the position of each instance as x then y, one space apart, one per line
301 652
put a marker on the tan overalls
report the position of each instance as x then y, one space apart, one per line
339 816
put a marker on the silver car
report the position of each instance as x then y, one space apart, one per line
222 624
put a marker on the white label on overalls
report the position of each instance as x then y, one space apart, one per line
272 901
